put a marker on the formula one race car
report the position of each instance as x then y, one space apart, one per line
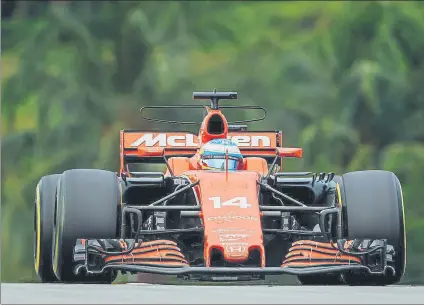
221 210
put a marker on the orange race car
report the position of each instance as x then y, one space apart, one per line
222 210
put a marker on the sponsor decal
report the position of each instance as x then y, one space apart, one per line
251 141
191 140
180 181
231 218
236 249
225 278
232 237
232 230
164 140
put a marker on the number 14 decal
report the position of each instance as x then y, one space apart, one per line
237 201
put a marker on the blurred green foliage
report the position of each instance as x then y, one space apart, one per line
344 80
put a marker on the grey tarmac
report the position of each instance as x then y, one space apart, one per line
189 294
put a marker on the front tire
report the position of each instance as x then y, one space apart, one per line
373 209
45 198
87 207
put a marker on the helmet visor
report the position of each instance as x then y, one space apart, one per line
220 164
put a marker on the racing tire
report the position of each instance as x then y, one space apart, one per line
45 197
87 206
372 204
322 279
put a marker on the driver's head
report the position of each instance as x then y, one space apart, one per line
213 155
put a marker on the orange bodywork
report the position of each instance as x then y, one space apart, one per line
229 200
154 253
304 253
230 214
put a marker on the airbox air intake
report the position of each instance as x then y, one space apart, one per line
216 125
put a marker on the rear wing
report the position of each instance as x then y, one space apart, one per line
250 143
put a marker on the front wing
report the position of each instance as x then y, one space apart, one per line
305 257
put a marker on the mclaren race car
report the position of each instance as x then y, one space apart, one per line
201 222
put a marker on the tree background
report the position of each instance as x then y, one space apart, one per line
344 80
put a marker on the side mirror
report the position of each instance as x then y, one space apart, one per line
288 152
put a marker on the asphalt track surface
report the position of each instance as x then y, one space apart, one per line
167 294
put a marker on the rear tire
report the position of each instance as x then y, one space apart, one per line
87 207
45 198
373 209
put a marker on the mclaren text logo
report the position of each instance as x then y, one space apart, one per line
230 218
191 140
251 141
164 140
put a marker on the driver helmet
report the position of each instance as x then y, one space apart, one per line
213 155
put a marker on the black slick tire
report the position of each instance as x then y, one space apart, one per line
44 205
373 209
87 207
